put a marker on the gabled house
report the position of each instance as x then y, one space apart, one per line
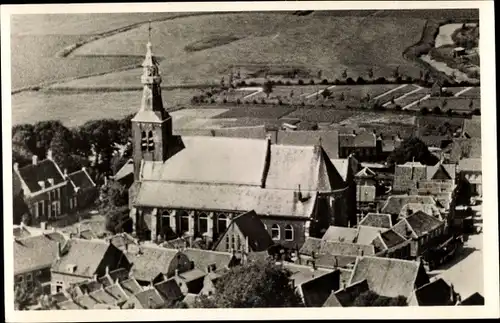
345 296
475 299
211 261
422 229
366 187
364 145
82 260
472 128
392 245
436 293
246 233
341 234
378 220
149 298
395 203
471 170
46 190
389 277
84 189
33 258
415 178
170 290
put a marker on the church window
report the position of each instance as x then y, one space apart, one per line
184 225
203 223
275 232
151 143
221 223
288 232
144 141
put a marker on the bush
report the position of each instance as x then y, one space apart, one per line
300 82
311 82
360 80
288 83
336 82
254 101
449 113
280 102
238 101
476 112
398 107
436 110
324 82
212 100
243 83
253 84
279 82
424 111
380 80
350 81
224 100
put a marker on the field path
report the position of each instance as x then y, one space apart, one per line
254 93
390 91
416 102
319 92
463 91
404 95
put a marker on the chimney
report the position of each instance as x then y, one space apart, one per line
43 225
342 284
299 194
107 270
65 172
58 250
94 277
16 166
41 184
49 154
313 263
51 181
150 302
34 159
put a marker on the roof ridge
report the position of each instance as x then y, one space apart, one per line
392 259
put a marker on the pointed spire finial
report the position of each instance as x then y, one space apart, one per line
149 31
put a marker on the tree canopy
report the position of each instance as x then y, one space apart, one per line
259 283
412 149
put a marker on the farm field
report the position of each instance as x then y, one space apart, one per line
397 93
449 103
436 126
474 92
264 112
325 43
74 109
410 98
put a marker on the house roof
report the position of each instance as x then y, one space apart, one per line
130 286
345 297
82 257
224 197
430 209
421 223
36 252
464 148
470 164
435 141
253 132
104 297
474 299
367 234
86 301
329 140
81 179
403 228
302 274
190 299
365 173
391 238
316 291
41 172
169 289
151 261
203 258
149 298
441 171
117 292
252 228
387 276
110 278
379 220
435 293
20 231
395 203
310 245
343 234
126 170
192 275
334 261
345 249
472 128
122 239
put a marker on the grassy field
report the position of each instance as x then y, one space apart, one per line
264 112
475 92
74 109
457 104
327 43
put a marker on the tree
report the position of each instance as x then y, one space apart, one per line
344 74
370 298
260 283
23 297
267 88
61 150
424 111
395 73
370 72
113 194
436 110
342 96
326 93
21 154
412 149
476 112
118 220
45 132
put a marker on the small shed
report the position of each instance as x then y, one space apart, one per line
458 52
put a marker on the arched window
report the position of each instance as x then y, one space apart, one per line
203 223
288 232
144 141
275 232
184 222
151 143
166 230
221 223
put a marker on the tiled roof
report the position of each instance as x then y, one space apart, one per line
464 148
391 238
149 298
191 275
41 172
365 173
119 274
367 234
255 132
346 140
334 261
470 164
302 274
365 139
190 299
310 244
126 170
317 290
474 299
104 297
342 167
395 203
329 140
366 193
343 234
434 141
81 179
169 289
122 239
472 128
130 286
252 228
87 286
20 232
203 258
36 252
86 301
435 293
151 261
403 228
345 249
69 305
387 276
422 223
82 257
430 209
117 292
345 297
379 220
311 167
441 171
224 197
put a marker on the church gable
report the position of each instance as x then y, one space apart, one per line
438 172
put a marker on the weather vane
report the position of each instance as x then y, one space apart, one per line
149 31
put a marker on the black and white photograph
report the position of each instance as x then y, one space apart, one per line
321 156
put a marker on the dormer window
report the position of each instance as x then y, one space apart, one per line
70 268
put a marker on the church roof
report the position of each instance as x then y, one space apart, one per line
224 197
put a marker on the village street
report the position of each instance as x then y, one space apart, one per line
465 271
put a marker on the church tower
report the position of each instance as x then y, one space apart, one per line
152 125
